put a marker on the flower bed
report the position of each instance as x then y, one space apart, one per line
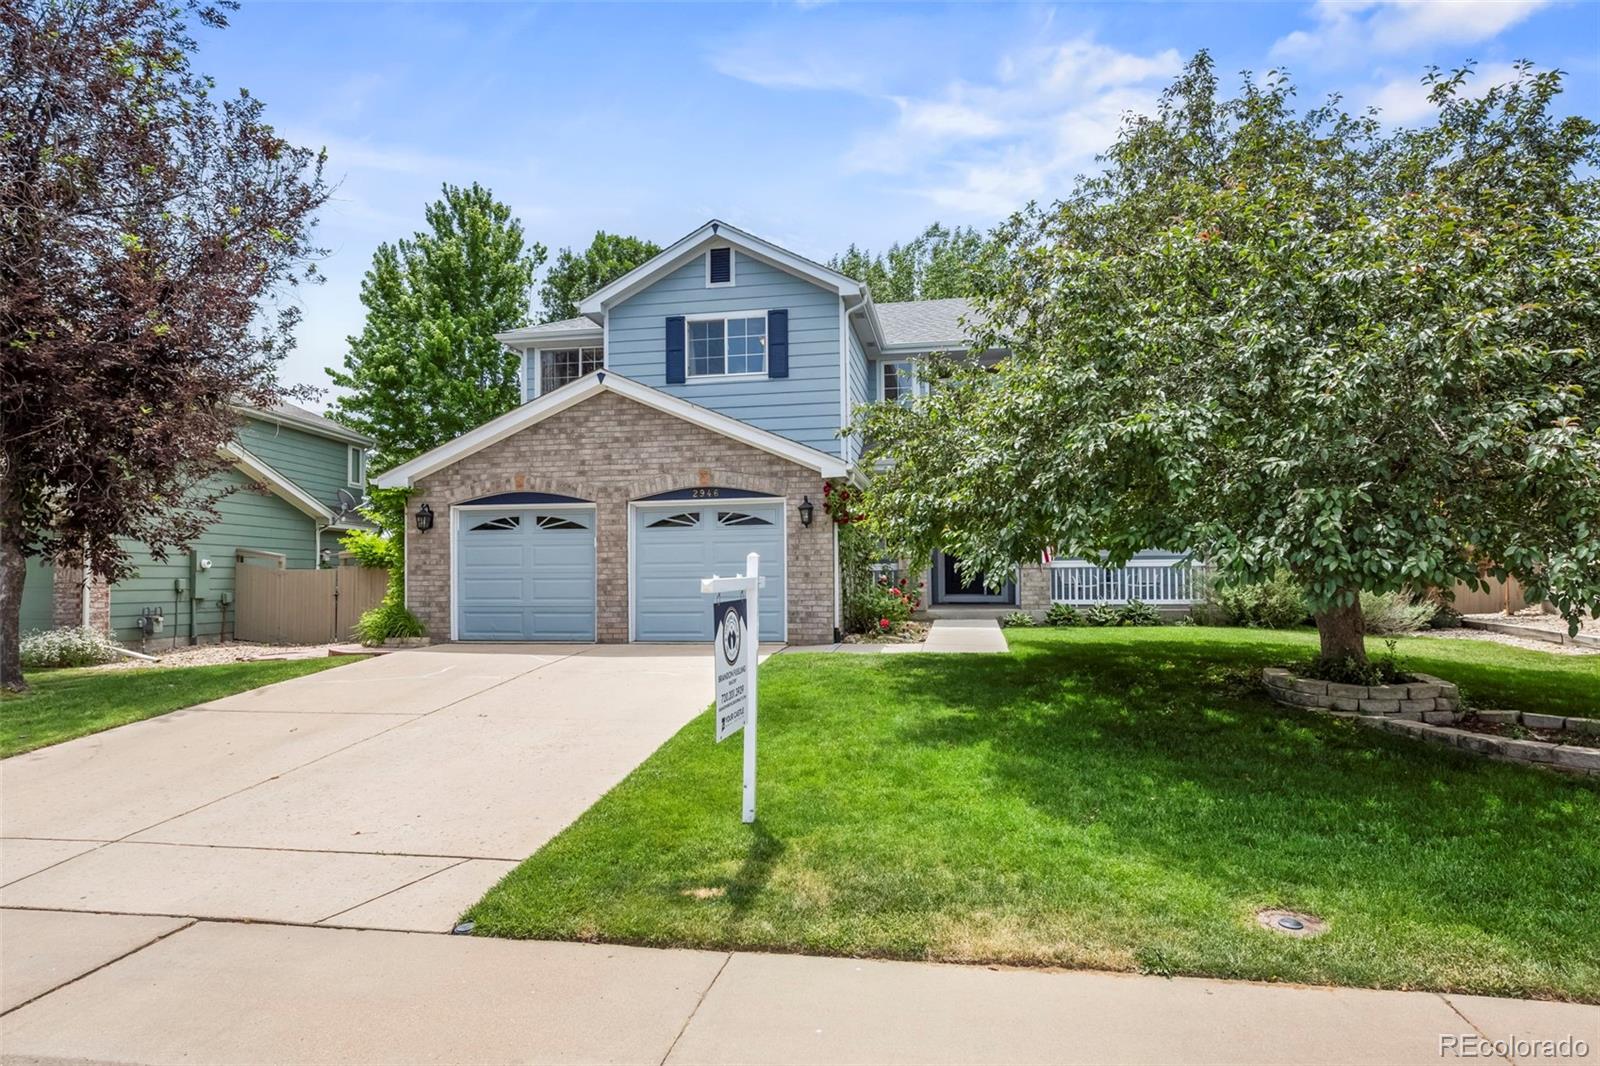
1429 708
1420 697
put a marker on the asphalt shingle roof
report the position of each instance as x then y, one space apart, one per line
935 322
293 412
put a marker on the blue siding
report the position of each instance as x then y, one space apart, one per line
804 406
861 391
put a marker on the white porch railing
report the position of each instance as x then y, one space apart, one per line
1156 582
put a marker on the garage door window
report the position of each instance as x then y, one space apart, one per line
685 520
511 522
739 518
550 521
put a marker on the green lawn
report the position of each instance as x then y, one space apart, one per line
64 704
1122 799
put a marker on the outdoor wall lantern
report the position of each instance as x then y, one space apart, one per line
807 509
424 518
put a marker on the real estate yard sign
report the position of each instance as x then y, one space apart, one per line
732 666
733 658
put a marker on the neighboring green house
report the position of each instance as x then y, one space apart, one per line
290 467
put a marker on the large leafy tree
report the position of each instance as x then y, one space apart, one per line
426 367
144 225
574 275
1289 340
939 263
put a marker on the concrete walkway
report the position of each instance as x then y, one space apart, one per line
946 635
241 993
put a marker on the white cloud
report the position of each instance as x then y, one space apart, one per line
983 149
1406 99
1350 29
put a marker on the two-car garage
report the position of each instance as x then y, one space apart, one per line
525 565
593 513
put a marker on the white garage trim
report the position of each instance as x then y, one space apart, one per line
458 510
635 506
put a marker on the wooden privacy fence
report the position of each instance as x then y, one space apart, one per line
1501 596
304 606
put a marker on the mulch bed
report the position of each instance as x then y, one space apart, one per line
907 633
1517 731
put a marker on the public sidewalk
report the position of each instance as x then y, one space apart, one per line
136 989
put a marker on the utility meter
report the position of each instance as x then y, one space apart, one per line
199 576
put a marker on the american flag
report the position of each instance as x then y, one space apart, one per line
1045 556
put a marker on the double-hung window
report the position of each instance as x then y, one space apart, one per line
562 366
720 347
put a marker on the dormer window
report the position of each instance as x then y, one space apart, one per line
719 267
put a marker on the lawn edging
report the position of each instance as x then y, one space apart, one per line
1429 708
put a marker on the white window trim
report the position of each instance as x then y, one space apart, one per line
915 382
733 267
355 457
533 365
690 377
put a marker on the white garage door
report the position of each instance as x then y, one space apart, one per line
675 546
525 574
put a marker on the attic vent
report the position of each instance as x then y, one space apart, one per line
719 266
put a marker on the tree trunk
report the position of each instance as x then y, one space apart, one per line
13 572
1343 633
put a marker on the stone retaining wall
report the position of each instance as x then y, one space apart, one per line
1426 698
1427 708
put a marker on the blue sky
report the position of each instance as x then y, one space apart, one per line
812 124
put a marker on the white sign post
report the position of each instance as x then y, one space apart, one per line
736 632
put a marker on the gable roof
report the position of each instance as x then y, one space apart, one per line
924 323
263 473
719 233
290 414
558 400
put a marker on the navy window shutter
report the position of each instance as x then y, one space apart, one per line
778 344
675 350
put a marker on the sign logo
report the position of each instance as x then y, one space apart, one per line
732 636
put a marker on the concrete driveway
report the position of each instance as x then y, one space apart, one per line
387 794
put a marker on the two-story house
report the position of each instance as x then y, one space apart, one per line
292 478
688 416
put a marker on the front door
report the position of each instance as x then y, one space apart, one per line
953 585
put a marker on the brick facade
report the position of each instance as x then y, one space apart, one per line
66 599
611 450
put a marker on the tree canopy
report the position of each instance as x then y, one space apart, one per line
426 367
1283 339
575 275
145 229
937 264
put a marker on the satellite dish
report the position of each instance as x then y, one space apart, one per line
347 502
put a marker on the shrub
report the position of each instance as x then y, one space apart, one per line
1394 612
890 604
72 646
1101 614
1278 603
1063 614
1445 617
1138 613
1018 620
388 619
